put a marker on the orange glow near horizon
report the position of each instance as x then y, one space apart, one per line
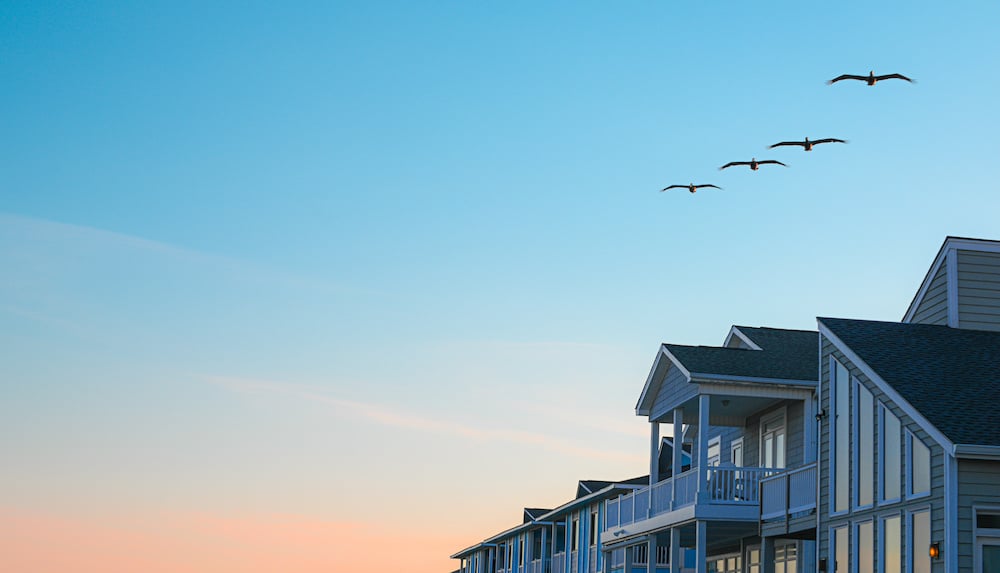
33 542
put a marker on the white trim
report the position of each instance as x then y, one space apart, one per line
709 377
743 453
832 428
856 450
953 244
951 513
908 452
885 387
977 452
951 281
776 414
735 331
640 409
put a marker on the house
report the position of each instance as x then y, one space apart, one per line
862 446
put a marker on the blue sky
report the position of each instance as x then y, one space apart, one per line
242 240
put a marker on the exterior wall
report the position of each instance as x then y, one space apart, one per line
935 501
674 391
978 290
933 308
978 485
794 436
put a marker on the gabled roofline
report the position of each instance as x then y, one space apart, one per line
587 499
950 244
471 549
699 377
887 388
661 353
735 331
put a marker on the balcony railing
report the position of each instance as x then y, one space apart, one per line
725 485
787 494
558 562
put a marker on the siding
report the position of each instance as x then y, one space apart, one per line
933 308
674 391
794 437
979 290
978 484
936 499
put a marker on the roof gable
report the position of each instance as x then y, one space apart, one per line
950 376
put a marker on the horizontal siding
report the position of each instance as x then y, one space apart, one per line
933 308
674 391
935 501
978 484
979 290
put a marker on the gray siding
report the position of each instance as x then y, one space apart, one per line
674 391
978 484
979 290
794 436
933 308
935 500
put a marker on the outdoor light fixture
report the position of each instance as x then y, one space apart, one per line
822 565
725 403
820 415
935 550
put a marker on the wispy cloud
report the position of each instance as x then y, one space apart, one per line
385 415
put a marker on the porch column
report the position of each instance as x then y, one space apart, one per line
651 554
605 561
767 555
701 548
703 432
654 462
568 562
809 431
628 558
678 459
676 553
491 564
545 536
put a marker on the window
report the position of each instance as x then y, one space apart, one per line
593 528
520 550
574 533
784 559
891 467
727 564
736 451
753 560
865 446
919 475
920 542
536 544
714 455
892 545
560 534
866 547
772 440
841 436
841 550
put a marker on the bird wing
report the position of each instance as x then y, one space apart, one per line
732 163
802 143
674 187
846 77
707 185
893 77
829 140
766 161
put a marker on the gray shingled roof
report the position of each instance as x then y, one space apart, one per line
784 355
950 375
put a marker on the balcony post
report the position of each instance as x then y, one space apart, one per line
654 461
703 432
767 555
701 548
676 553
545 540
678 459
651 554
629 550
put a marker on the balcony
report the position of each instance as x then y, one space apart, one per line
736 487
788 502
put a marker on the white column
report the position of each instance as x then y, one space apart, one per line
767 555
654 452
676 553
568 562
809 431
545 539
678 461
701 547
651 554
605 561
703 432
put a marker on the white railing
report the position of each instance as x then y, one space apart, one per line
617 558
725 485
558 561
535 566
788 493
736 485
574 564
592 562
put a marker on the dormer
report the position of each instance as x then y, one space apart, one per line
962 287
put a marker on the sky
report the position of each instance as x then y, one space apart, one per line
332 286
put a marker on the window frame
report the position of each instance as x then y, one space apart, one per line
855 545
908 492
856 450
832 432
832 557
882 475
910 543
881 565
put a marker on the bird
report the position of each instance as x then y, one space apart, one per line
871 79
808 145
753 163
692 187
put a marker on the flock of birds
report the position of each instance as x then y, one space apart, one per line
871 79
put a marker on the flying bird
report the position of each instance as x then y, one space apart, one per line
753 163
808 145
871 79
692 187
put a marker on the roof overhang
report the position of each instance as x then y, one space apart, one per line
977 452
471 550
735 332
661 365
610 491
